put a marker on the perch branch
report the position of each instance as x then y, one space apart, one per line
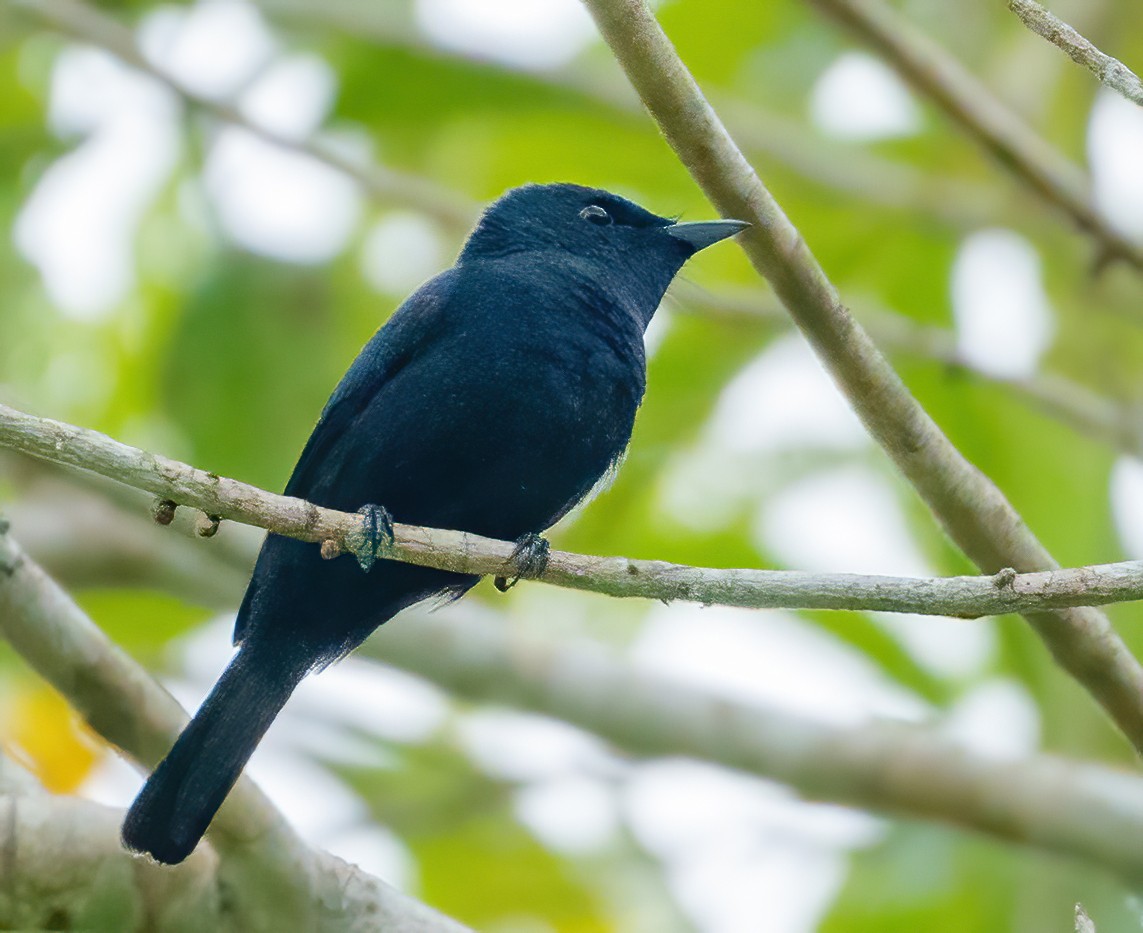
182 484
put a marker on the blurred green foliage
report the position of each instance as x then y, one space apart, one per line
224 358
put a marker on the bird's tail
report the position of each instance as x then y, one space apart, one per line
180 798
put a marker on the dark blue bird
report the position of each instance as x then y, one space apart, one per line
492 402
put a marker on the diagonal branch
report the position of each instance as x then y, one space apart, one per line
182 484
939 76
273 881
54 846
971 508
1110 71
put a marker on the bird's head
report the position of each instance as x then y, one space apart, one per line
595 228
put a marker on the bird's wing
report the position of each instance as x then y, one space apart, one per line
402 338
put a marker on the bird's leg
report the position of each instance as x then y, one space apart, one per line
529 559
375 536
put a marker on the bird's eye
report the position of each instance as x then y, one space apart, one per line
594 214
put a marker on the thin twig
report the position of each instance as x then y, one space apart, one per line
966 597
971 508
939 76
1110 71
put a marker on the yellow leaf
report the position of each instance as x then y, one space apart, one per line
43 732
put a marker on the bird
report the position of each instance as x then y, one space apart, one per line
492 401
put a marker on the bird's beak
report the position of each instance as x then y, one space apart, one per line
705 233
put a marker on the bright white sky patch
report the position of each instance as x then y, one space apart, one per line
79 223
847 520
860 98
742 855
779 889
401 251
574 813
279 203
112 782
523 746
213 47
376 700
784 399
1127 504
292 96
1115 152
996 718
1003 317
771 657
527 33
316 800
950 648
850 520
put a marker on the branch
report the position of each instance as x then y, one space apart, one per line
83 539
1110 71
1081 810
936 74
273 881
62 858
972 510
85 24
182 484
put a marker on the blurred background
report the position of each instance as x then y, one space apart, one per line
190 264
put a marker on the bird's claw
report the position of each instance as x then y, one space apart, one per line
529 559
375 536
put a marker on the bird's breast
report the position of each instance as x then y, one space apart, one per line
514 431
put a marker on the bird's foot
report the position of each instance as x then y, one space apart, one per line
529 559
375 536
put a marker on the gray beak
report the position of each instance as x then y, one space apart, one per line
705 233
